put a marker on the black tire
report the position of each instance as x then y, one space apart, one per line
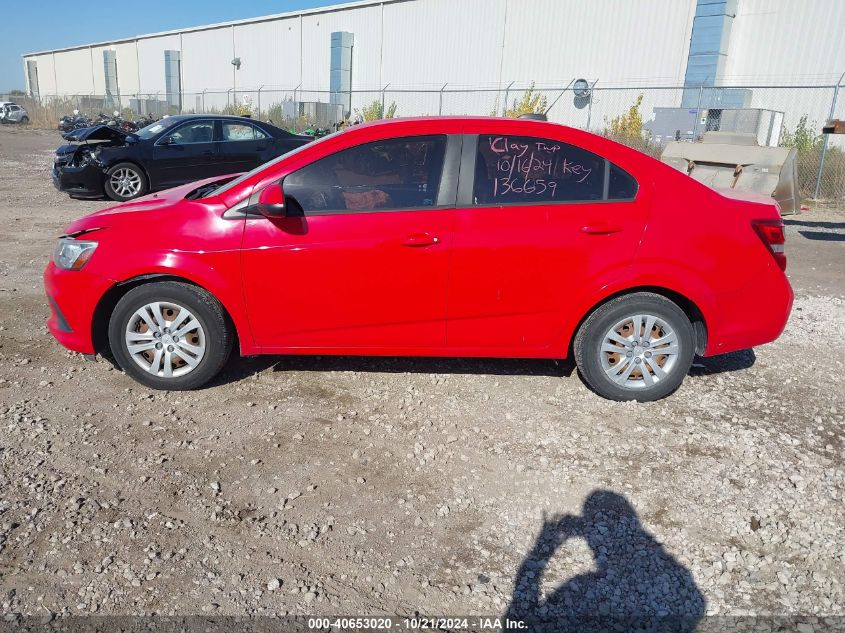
118 197
591 336
216 329
24 120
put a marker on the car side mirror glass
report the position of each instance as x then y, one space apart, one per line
271 201
168 140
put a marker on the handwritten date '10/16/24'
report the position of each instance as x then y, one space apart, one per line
520 164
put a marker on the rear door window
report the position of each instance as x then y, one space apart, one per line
526 169
242 132
392 174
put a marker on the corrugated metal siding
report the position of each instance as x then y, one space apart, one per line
365 23
46 74
471 42
269 52
779 41
207 60
127 68
151 62
432 42
607 39
73 72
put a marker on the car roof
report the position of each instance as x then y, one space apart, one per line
188 117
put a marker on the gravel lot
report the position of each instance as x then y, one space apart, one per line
362 486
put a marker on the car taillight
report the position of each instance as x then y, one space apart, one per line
773 236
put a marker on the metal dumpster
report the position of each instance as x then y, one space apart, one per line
726 160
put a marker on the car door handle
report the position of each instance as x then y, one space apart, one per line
420 239
600 229
208 153
260 148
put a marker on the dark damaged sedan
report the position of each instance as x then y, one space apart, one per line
102 160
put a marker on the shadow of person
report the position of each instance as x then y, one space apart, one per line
636 584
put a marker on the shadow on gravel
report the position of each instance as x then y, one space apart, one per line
823 236
240 368
815 224
636 585
734 361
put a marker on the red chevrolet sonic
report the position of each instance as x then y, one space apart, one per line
430 237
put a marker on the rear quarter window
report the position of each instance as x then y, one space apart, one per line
526 169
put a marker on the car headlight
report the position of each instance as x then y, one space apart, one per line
71 254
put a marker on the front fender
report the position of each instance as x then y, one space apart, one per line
211 271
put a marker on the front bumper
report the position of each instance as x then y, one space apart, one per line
73 296
83 182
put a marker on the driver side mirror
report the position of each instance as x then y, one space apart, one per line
271 201
168 140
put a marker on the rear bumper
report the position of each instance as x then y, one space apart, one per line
84 182
750 316
73 297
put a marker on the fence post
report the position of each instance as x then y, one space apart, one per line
382 100
203 99
827 139
505 106
259 102
440 105
590 104
697 113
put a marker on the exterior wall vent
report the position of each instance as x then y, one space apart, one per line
112 90
173 79
340 79
32 78
708 51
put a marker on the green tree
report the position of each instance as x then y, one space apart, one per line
626 126
805 139
376 111
531 102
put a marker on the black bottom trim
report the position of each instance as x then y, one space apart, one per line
63 324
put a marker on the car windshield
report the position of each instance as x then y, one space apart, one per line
234 183
152 129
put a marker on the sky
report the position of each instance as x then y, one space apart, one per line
36 25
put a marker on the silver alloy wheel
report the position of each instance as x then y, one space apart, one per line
125 182
165 339
639 351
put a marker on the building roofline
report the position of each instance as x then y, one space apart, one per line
193 29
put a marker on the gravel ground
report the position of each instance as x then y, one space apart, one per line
348 486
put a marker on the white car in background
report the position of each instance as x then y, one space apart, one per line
12 113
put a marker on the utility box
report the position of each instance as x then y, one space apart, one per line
688 124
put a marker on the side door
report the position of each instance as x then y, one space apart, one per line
243 147
186 153
360 264
537 222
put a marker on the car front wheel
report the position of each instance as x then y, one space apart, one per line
125 181
170 335
635 347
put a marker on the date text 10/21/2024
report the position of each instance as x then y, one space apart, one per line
538 162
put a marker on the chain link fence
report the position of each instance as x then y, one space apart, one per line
643 117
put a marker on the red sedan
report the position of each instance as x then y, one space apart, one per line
430 237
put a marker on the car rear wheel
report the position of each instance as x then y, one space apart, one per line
24 120
636 347
170 335
125 181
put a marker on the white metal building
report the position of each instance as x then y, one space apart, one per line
405 44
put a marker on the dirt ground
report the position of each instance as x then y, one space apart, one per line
365 485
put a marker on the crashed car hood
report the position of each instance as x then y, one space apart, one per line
97 133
